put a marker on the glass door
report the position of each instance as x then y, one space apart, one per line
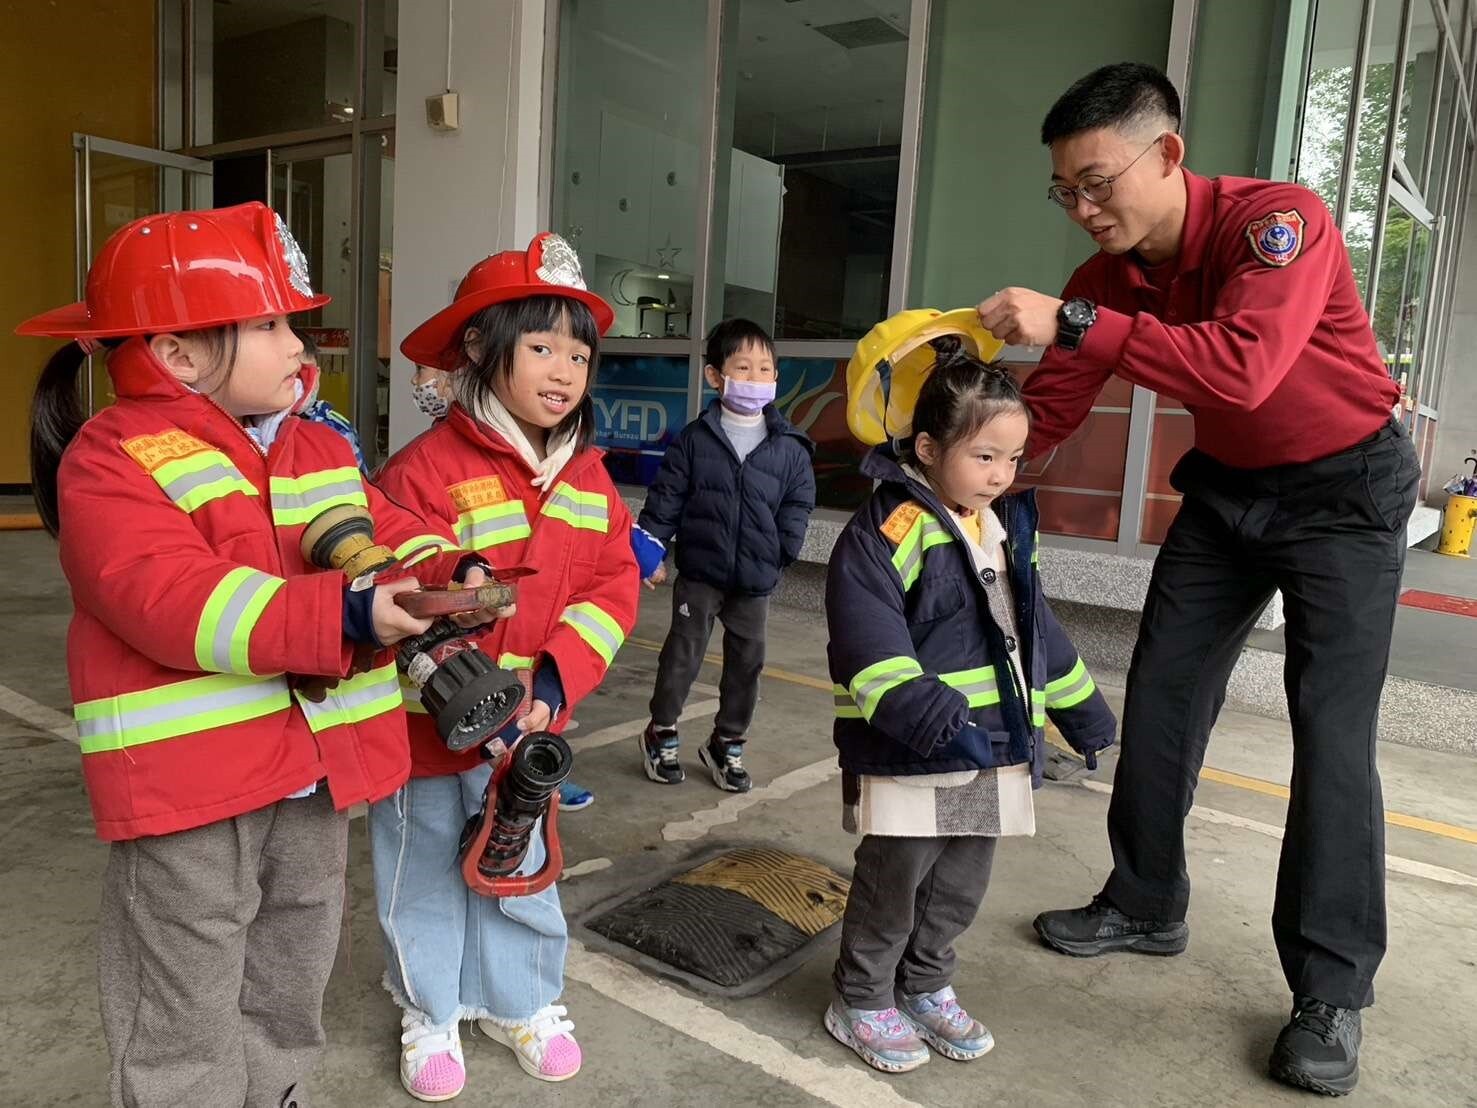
116 183
314 186
310 190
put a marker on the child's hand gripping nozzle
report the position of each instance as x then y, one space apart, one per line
524 786
468 696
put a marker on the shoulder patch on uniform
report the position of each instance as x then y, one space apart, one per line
896 526
1277 238
153 451
477 493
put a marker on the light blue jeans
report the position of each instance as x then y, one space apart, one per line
450 953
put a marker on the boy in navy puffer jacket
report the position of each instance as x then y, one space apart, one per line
736 489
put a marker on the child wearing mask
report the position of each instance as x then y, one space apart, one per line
736 490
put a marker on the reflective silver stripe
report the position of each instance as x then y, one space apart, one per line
596 627
183 708
357 699
181 487
297 500
845 706
484 533
586 511
223 638
1069 691
289 502
978 685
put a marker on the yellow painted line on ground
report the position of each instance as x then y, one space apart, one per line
1394 819
1220 776
1271 788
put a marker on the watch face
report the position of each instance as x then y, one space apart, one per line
1077 312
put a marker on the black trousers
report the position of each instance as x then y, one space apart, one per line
1330 535
694 608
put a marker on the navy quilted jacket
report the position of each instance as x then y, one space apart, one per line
737 525
918 662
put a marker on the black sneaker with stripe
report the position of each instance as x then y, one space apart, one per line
659 755
725 761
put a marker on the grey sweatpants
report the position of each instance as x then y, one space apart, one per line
214 949
694 607
910 899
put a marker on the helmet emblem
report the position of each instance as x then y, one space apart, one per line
292 254
560 265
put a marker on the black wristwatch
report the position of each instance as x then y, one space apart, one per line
1072 321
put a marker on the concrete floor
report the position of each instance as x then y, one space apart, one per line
1193 1030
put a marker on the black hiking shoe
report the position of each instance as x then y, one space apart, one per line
1100 928
1318 1050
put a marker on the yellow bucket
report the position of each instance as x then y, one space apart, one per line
1457 524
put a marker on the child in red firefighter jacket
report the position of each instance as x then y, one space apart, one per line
946 660
511 473
222 739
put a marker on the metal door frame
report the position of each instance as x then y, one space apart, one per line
194 173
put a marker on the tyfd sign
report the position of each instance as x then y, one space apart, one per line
629 420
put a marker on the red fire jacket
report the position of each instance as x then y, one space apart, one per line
1256 326
193 606
467 481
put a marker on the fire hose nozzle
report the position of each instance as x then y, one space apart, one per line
524 788
464 691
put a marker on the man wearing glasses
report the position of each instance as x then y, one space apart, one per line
1235 297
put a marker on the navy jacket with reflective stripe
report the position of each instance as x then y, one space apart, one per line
895 645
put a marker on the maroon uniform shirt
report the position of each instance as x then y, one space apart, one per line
1256 326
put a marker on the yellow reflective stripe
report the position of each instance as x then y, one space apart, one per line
355 699
180 708
978 685
492 526
1038 708
845 706
223 636
515 661
907 559
603 634
868 686
420 548
588 511
200 478
1070 689
297 500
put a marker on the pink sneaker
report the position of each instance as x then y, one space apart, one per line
431 1065
543 1046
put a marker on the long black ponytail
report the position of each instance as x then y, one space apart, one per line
57 414
57 411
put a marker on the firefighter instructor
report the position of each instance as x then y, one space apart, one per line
1235 297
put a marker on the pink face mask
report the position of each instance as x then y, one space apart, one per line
747 397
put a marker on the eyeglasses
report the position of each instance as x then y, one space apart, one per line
1094 186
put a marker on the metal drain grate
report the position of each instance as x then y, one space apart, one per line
733 924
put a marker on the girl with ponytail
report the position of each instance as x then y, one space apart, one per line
222 732
946 660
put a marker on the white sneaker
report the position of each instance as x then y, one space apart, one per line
431 1063
544 1046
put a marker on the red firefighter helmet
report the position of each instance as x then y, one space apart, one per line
549 267
182 271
